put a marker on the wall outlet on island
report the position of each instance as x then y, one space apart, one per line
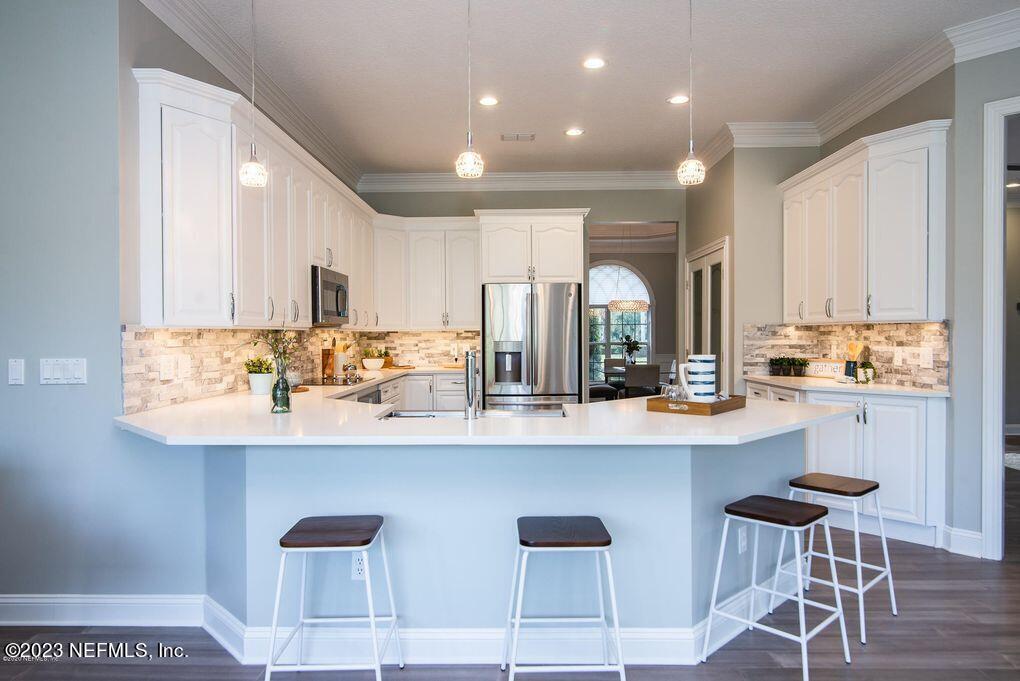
742 539
357 567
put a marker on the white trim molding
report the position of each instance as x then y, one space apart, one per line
758 135
509 182
982 37
963 542
110 610
992 327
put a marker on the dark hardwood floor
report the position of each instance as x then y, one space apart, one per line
959 621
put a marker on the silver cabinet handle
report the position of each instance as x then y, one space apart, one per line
858 413
377 319
329 257
364 313
231 299
272 309
800 309
865 413
828 307
354 322
294 310
868 306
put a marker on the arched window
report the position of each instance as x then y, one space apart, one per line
607 328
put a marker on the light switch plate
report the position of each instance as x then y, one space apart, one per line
63 371
15 372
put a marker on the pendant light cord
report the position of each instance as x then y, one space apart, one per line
253 77
469 140
690 109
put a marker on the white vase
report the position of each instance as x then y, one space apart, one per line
260 384
373 363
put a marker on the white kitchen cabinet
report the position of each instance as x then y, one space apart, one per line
835 447
319 236
864 231
793 259
427 279
450 401
362 277
898 234
253 251
342 237
417 392
463 280
279 166
757 392
506 252
894 455
391 271
557 250
197 219
299 308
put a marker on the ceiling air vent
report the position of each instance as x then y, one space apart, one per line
517 137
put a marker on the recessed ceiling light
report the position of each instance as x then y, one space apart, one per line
1012 185
488 100
574 132
678 99
594 63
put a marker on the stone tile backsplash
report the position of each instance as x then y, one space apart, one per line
202 363
915 355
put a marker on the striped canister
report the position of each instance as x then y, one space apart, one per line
698 377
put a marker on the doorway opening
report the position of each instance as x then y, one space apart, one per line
706 283
1011 355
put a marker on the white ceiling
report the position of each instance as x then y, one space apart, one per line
385 79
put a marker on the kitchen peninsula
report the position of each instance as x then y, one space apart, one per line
451 489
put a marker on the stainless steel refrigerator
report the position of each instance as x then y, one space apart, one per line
531 346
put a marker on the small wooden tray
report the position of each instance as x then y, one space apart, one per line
661 404
300 389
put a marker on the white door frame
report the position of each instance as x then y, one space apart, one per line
722 244
992 390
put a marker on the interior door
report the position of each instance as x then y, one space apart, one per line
707 308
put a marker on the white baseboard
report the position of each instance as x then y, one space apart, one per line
926 535
964 542
112 610
1012 428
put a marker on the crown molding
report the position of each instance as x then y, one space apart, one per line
509 182
982 37
195 26
769 134
717 147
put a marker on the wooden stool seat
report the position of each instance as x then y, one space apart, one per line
581 531
777 511
834 484
332 531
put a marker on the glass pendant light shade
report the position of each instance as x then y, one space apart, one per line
470 165
253 173
628 305
691 171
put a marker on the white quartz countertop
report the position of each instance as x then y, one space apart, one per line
829 385
319 419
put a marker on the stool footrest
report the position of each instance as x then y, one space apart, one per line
846 561
845 587
343 619
322 667
390 630
556 668
807 601
561 620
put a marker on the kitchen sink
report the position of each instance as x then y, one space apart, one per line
494 413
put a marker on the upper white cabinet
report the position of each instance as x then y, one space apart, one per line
391 268
444 286
361 276
864 231
524 245
212 253
427 279
463 283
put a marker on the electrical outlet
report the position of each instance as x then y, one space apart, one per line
742 539
357 567
898 357
927 358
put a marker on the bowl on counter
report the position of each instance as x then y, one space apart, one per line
374 363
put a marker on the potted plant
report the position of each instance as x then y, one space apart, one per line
865 372
260 375
373 358
786 366
775 366
630 346
282 346
799 366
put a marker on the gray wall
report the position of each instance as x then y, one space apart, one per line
90 509
1012 299
710 205
660 271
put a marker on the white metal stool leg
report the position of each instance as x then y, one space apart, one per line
754 578
810 554
885 553
616 614
508 632
371 617
775 579
835 588
715 589
602 610
301 610
393 604
276 616
797 543
860 578
517 615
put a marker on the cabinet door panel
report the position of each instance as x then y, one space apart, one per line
817 252
427 279
898 236
279 193
449 401
366 263
197 219
557 251
835 447
849 246
793 259
253 244
463 282
299 309
391 277
894 455
416 393
506 252
319 239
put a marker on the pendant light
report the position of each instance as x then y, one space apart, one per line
691 171
469 164
253 173
625 304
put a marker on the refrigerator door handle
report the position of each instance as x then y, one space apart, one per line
527 366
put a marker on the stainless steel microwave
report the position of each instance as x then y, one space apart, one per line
330 297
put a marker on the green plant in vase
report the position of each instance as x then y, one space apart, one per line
799 365
282 346
630 346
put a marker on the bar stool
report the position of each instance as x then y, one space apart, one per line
334 534
788 516
561 534
856 490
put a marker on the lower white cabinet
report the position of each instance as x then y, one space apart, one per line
417 392
835 447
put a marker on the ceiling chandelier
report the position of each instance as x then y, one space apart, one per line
691 171
253 173
469 164
625 304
